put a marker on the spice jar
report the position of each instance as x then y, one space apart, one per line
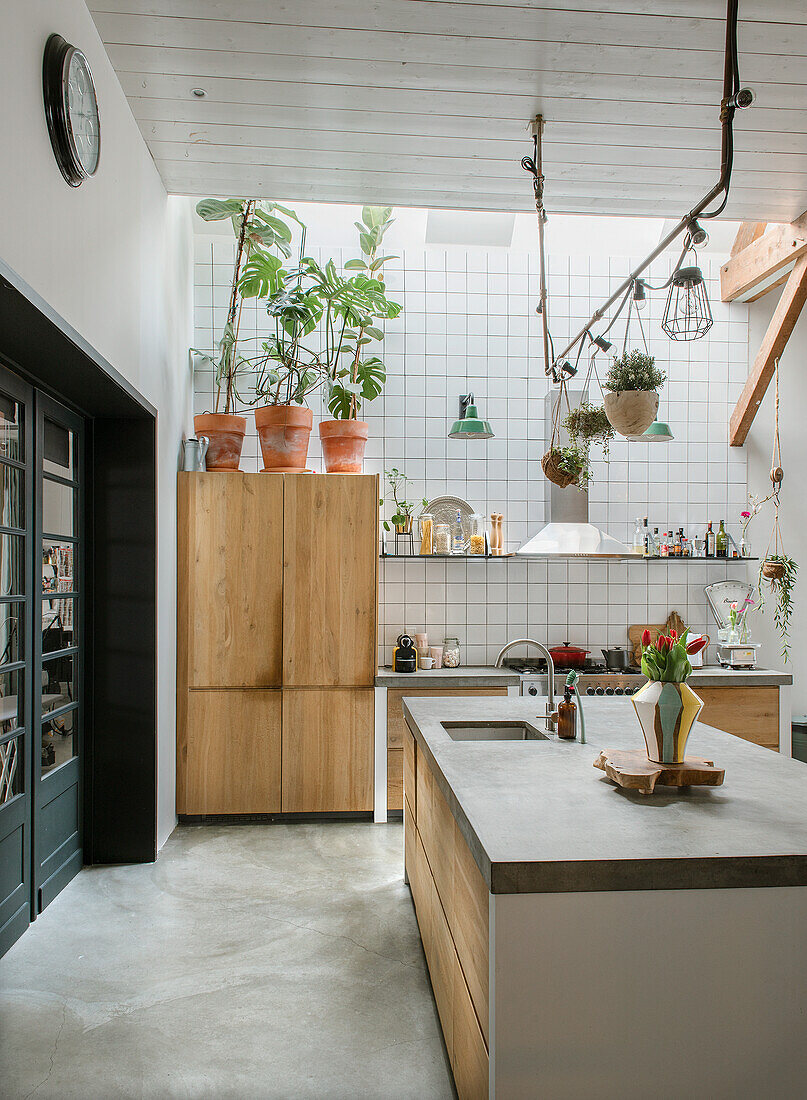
477 528
426 522
451 653
442 539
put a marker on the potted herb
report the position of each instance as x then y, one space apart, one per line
667 706
287 371
633 380
256 226
352 305
404 509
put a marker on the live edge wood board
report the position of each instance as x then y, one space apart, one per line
277 611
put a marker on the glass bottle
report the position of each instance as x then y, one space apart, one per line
710 542
567 716
426 523
676 547
656 548
664 549
745 548
721 541
451 653
645 538
638 537
457 535
477 540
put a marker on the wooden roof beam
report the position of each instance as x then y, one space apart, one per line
764 263
747 234
782 323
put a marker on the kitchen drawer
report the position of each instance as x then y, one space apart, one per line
395 778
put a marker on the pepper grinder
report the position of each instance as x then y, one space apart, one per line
496 535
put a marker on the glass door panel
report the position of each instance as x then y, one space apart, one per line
16 582
57 650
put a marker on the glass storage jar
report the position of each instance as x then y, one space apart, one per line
442 539
426 526
476 524
451 653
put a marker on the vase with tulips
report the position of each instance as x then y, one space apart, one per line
666 706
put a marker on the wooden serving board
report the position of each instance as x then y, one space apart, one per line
634 771
674 622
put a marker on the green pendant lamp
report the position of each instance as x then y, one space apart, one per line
469 425
658 432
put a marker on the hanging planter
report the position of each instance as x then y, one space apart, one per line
555 470
631 402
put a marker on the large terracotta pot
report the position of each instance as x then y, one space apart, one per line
343 443
284 431
666 713
631 412
226 434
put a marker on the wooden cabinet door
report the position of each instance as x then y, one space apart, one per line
327 749
748 712
330 565
230 579
232 763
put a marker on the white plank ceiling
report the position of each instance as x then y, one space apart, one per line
420 103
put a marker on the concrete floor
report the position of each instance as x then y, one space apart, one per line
249 961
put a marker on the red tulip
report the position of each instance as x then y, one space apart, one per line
696 645
646 637
673 635
663 644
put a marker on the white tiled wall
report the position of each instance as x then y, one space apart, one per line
469 323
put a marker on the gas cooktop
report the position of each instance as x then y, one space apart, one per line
594 677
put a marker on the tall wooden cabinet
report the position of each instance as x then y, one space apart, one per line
277 607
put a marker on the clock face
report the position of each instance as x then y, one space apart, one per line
81 110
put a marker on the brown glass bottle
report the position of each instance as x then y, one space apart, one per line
567 717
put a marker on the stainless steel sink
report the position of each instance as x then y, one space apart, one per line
493 731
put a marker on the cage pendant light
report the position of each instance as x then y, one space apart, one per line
687 315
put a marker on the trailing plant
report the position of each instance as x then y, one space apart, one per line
257 229
635 370
589 424
352 305
574 461
404 509
667 659
779 571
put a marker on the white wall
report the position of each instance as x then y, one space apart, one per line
793 517
113 257
469 322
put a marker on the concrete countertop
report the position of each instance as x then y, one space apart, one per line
716 676
464 676
539 818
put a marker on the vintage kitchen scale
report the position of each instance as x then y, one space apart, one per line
720 596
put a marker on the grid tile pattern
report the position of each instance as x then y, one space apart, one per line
469 324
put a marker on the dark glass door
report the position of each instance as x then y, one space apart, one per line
58 702
16 583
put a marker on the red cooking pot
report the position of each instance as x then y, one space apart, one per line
569 656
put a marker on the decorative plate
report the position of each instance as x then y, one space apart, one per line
444 510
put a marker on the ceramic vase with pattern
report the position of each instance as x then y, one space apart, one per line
666 713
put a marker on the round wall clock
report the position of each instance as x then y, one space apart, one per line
71 109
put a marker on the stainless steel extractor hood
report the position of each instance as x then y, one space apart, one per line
568 532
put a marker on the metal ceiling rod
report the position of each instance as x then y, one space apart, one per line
534 165
733 97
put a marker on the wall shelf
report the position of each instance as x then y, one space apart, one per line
605 559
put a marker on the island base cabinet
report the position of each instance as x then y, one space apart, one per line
465 1045
328 750
232 747
750 713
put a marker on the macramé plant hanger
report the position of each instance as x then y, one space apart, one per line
777 569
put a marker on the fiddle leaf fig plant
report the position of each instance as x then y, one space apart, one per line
352 306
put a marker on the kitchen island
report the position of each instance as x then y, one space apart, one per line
586 941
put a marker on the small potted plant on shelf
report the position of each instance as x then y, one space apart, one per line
404 509
632 382
286 370
352 305
667 706
256 226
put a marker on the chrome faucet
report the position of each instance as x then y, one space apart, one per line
550 666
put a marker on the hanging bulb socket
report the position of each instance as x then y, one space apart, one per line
639 293
697 234
687 315
742 99
601 343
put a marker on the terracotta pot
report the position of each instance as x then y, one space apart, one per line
666 713
343 443
631 412
284 431
226 434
